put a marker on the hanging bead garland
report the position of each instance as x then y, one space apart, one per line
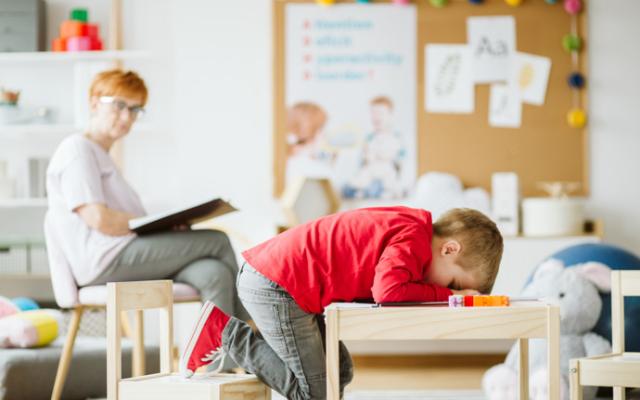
572 43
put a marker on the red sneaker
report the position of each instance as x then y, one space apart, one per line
205 344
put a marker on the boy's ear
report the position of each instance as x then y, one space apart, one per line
450 247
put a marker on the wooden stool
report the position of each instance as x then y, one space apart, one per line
619 369
125 296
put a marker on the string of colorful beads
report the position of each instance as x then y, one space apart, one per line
572 43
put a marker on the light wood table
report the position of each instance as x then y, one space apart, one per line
522 321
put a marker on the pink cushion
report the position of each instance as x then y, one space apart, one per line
97 295
7 307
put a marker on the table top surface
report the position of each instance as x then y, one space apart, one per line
370 307
526 319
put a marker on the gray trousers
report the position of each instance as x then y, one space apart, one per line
289 352
203 259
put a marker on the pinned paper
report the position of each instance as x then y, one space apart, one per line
529 75
346 49
505 108
449 79
492 41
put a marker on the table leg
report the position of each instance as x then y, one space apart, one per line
574 380
523 379
553 351
618 393
333 356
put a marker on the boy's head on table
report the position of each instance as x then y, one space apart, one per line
466 248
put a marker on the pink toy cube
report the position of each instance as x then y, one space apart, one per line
79 43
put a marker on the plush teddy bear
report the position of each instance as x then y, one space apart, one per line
575 290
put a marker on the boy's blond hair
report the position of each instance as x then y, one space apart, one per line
480 240
119 83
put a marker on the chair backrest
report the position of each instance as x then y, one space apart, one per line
141 295
623 283
65 288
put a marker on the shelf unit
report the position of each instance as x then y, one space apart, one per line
24 202
50 56
13 131
22 216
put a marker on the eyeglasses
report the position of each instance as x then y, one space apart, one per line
120 105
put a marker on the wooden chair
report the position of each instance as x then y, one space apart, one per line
618 369
142 295
69 296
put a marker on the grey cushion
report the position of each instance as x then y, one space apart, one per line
30 373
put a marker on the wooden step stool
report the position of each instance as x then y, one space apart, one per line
125 296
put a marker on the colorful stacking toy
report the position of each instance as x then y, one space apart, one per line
77 34
458 300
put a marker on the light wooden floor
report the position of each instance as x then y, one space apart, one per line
421 372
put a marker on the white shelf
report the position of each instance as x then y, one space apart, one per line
25 129
55 129
23 202
50 56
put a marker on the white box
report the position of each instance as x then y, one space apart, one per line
548 216
505 190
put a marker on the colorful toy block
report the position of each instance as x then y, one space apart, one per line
478 301
59 44
456 300
79 43
468 301
80 14
93 30
70 28
77 34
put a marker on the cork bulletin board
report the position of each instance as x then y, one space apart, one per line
543 148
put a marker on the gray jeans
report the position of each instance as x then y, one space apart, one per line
203 259
289 352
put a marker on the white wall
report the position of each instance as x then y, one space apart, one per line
217 59
614 84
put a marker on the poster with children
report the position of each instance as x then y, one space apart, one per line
351 97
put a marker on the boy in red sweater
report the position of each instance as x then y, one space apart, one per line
385 254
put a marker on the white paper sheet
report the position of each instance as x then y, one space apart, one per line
449 83
530 74
492 41
505 108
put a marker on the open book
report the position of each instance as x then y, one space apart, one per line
183 216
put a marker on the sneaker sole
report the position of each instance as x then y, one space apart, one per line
205 311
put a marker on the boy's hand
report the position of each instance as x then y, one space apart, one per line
466 292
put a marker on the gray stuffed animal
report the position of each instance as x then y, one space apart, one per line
575 290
